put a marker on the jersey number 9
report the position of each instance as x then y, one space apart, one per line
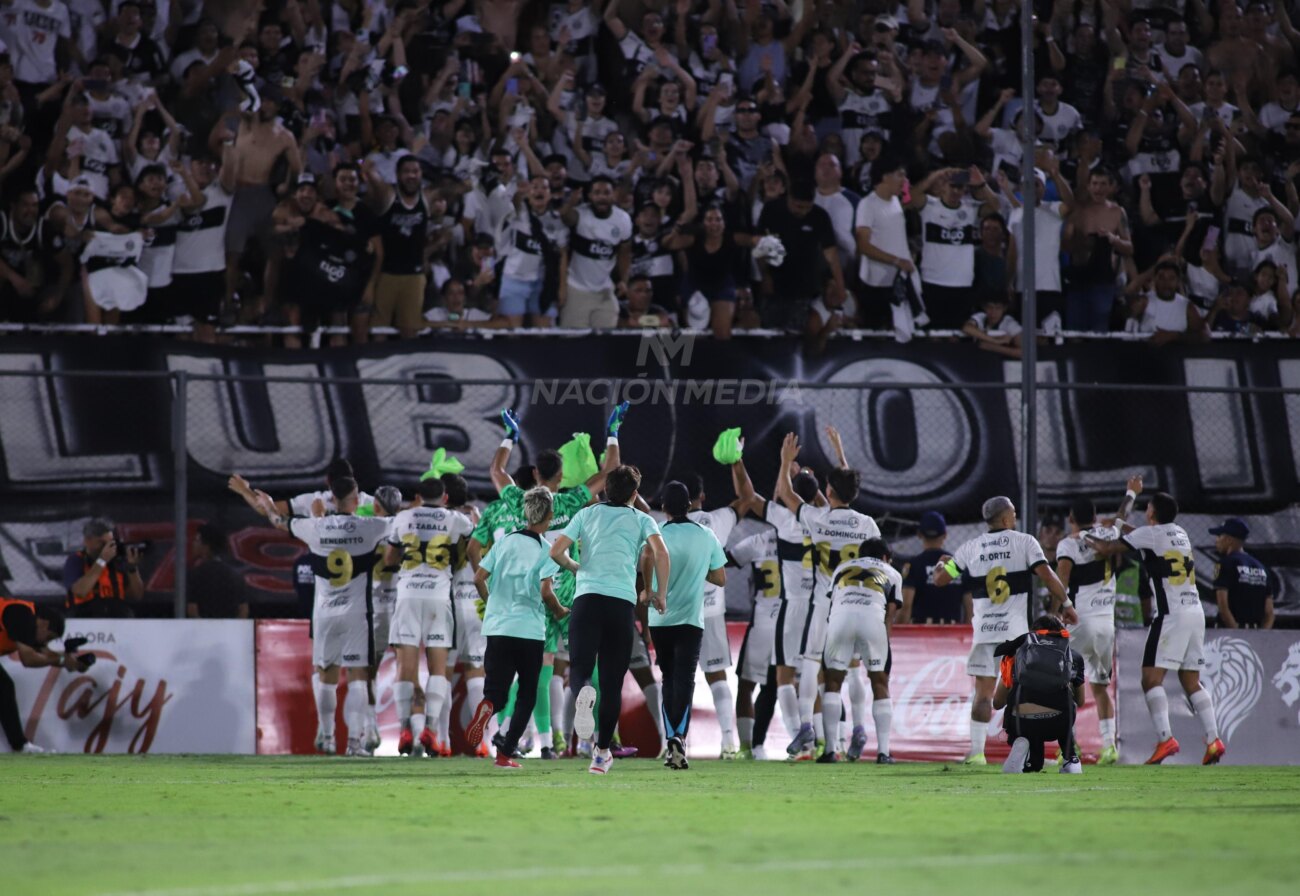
339 563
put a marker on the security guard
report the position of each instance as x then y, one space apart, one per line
1241 583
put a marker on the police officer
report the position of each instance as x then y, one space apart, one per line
1241 583
925 603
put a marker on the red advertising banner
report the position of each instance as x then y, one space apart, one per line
928 683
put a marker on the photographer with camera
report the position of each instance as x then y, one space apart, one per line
1040 684
102 576
27 629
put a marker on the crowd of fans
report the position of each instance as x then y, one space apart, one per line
810 166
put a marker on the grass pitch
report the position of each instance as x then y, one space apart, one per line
245 826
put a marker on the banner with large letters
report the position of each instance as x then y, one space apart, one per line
928 425
1254 678
157 686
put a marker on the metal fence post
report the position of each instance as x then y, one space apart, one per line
1028 281
180 485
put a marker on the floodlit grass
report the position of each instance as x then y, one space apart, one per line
242 826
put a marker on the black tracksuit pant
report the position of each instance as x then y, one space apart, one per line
601 628
677 653
503 659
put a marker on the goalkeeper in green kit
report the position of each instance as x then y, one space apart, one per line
558 471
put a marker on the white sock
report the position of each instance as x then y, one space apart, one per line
444 718
832 707
354 709
326 703
807 689
746 728
979 731
654 705
474 696
858 699
418 721
1158 706
882 711
435 695
819 723
789 703
1203 706
1107 732
725 705
372 719
557 705
403 694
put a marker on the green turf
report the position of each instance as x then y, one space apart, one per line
241 826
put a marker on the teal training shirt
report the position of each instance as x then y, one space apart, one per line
694 552
516 566
610 539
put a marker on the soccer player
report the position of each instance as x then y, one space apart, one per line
758 649
610 538
696 559
425 540
1090 582
997 568
836 532
715 651
1177 637
387 503
342 546
301 505
518 571
865 593
469 647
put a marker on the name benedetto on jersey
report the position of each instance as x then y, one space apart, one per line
1167 557
1092 578
837 534
342 558
998 569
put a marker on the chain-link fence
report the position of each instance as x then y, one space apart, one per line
153 451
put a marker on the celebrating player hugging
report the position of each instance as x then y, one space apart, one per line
569 581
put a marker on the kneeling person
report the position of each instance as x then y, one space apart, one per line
865 594
520 571
1040 682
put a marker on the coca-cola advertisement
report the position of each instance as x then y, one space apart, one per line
157 686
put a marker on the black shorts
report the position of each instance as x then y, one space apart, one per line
198 295
949 307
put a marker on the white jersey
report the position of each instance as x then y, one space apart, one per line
430 540
860 113
865 585
1239 229
793 551
32 31
888 224
201 234
98 155
300 505
948 238
1092 578
160 251
112 115
1169 315
720 522
342 550
836 534
1167 557
759 553
595 244
520 246
594 132
1058 126
998 569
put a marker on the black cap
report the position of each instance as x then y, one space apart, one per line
1234 527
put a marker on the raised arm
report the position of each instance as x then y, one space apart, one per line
785 492
613 456
501 479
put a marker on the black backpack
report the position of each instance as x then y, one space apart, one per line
1043 667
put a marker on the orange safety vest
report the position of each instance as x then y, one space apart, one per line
8 644
110 586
